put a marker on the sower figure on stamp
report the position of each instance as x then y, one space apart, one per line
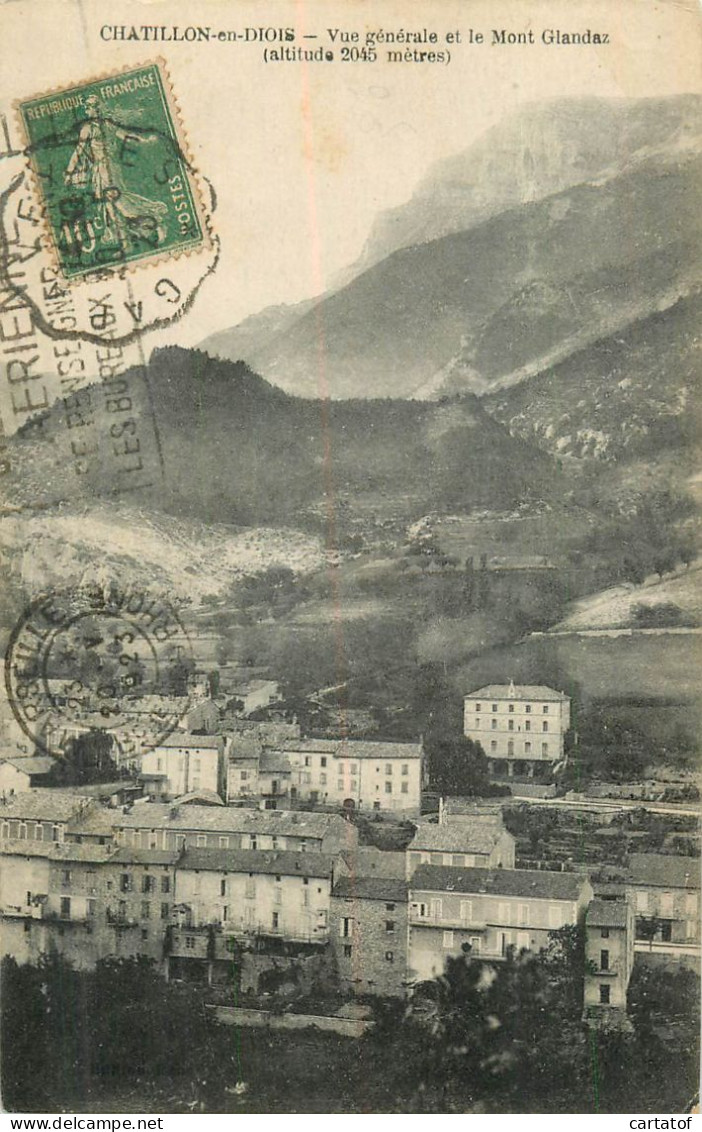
94 164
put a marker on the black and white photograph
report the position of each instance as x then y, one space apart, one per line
350 603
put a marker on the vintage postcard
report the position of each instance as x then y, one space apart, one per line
350 608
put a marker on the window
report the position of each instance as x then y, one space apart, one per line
165 911
523 914
493 724
354 768
347 950
91 907
201 840
323 760
223 887
354 784
340 784
23 831
604 960
527 748
5 829
65 905
190 942
389 956
153 839
494 707
165 884
390 926
305 898
405 769
145 909
544 725
544 748
65 877
346 927
388 787
253 841
244 774
510 747
510 725
604 933
666 908
466 911
125 883
404 787
448 939
504 914
389 907
555 918
604 993
277 896
493 744
308 760
322 779
511 708
527 725
478 707
144 933
38 832
250 886
528 709
224 842
437 909
691 904
275 921
148 883
225 913
388 770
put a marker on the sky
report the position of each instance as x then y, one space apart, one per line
303 156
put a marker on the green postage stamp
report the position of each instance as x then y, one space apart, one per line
116 185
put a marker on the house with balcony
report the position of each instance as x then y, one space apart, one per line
261 898
486 912
521 727
475 841
664 891
609 961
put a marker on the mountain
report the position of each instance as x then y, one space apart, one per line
562 225
537 151
236 450
629 395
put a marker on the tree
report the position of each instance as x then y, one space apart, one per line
87 758
457 766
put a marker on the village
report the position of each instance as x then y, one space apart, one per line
319 874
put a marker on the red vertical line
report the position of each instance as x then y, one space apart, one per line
322 382
327 457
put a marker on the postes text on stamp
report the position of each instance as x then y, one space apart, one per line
116 185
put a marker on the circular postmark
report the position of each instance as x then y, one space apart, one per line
99 659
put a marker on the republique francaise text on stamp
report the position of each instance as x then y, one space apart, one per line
116 185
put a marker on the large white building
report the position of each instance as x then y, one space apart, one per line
521 727
356 773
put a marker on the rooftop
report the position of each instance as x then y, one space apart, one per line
458 836
53 851
538 883
276 862
664 871
517 692
130 856
187 739
43 804
356 748
607 914
371 888
228 819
